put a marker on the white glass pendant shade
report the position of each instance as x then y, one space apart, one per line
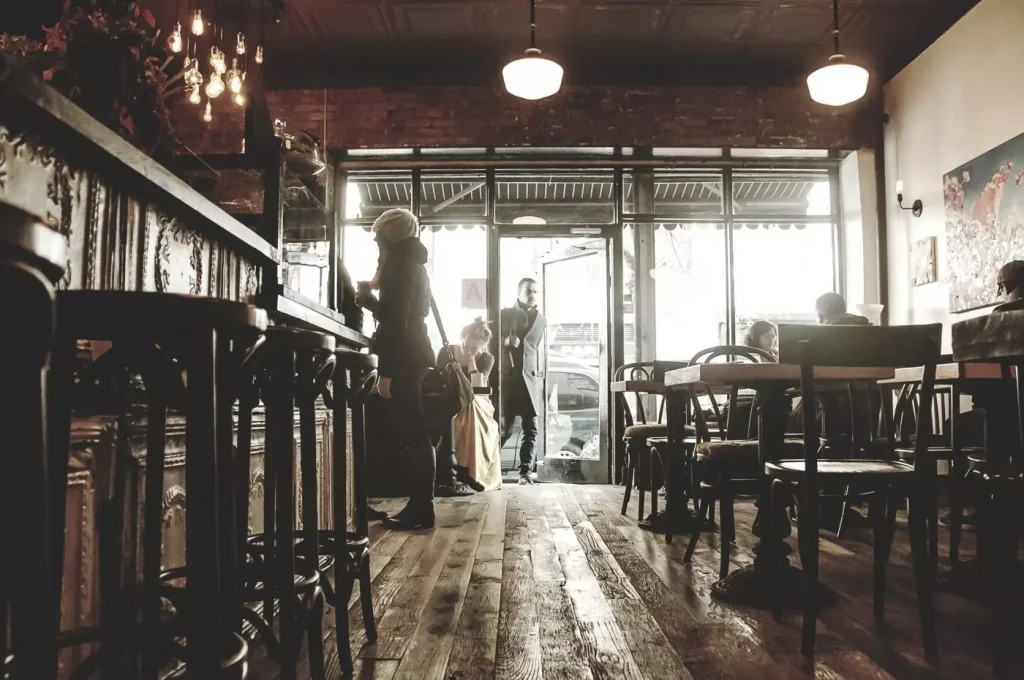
838 83
532 76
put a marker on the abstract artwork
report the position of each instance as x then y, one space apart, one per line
922 261
984 201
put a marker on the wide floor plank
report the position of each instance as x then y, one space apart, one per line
551 581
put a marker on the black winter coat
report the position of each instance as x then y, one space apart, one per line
401 343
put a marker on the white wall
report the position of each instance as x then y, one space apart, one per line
960 98
860 227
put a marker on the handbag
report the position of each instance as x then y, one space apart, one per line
446 388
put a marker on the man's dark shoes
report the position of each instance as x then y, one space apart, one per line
525 480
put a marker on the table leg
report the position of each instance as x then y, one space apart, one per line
770 576
676 468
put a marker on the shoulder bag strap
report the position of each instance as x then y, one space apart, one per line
440 327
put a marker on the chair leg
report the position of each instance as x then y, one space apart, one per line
655 463
728 530
956 508
628 479
933 533
643 465
882 549
366 600
923 574
703 503
845 511
808 536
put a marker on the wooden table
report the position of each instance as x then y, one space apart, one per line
639 386
947 373
758 584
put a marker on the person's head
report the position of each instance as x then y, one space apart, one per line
762 335
528 292
476 336
829 306
1010 281
395 225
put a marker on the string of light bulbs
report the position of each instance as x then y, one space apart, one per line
220 77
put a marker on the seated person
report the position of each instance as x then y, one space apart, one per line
475 432
763 335
831 309
1010 286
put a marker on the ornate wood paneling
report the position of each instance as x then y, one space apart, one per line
94 444
117 241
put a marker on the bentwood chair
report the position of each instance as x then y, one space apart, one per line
723 467
885 482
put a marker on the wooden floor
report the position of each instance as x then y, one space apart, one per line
550 581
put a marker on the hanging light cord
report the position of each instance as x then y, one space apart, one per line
835 24
533 24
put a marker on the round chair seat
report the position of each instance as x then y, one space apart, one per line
652 431
299 338
741 454
943 452
355 361
877 470
108 314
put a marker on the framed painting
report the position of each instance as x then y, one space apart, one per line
922 262
984 206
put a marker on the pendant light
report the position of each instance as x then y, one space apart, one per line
839 82
532 76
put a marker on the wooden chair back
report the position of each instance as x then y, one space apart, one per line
642 370
734 353
860 346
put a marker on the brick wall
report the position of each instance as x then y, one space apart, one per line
780 117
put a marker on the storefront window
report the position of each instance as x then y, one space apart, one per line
780 270
690 289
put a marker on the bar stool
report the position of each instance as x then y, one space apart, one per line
354 377
163 337
32 259
298 364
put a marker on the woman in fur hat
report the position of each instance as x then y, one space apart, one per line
403 351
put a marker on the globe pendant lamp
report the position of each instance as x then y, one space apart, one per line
532 76
839 82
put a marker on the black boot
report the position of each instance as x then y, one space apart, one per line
415 515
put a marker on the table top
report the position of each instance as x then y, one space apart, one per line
748 374
996 337
648 386
947 373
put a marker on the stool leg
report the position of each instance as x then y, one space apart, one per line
22 423
310 497
153 520
339 501
61 382
227 506
359 467
202 553
280 435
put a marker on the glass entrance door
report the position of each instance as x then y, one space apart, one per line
571 273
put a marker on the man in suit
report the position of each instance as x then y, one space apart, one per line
522 372
1010 286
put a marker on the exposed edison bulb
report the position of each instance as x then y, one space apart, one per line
239 99
215 86
217 60
198 26
208 113
193 96
259 54
234 77
240 44
174 41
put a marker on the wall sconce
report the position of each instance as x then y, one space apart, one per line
916 208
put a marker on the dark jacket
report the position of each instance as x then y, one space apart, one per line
401 343
847 319
522 368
